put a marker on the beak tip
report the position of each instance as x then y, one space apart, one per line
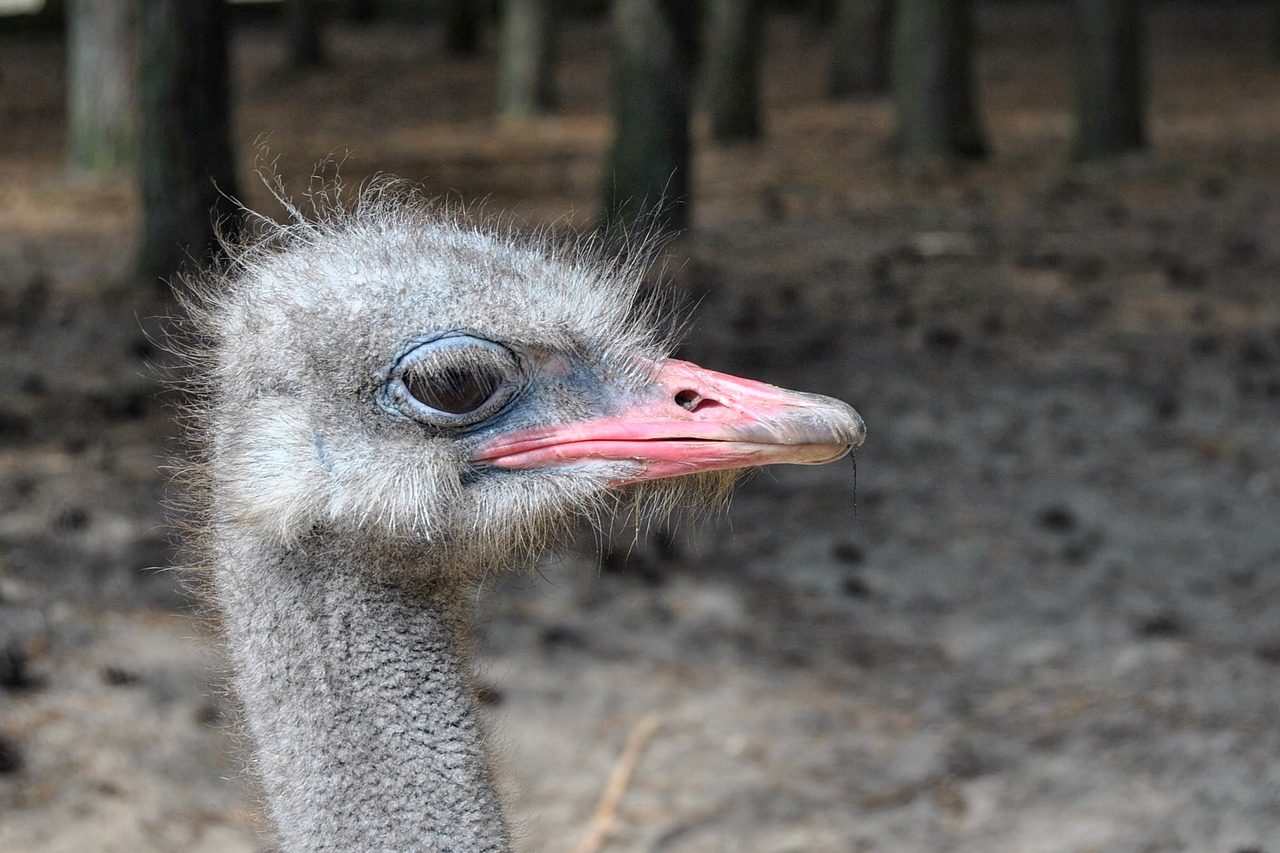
859 432
840 421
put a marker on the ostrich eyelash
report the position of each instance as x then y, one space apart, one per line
406 388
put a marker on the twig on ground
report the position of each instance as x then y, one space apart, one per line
619 780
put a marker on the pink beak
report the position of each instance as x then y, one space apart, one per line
699 420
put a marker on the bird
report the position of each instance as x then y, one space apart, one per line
392 399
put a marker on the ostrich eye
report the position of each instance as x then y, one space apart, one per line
452 381
456 391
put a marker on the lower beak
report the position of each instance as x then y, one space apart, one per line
697 420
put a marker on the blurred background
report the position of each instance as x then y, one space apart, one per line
1036 244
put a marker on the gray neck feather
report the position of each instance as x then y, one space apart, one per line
361 710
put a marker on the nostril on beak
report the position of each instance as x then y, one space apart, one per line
688 399
692 401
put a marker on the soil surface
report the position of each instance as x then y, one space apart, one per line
1052 623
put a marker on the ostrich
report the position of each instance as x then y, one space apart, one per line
395 401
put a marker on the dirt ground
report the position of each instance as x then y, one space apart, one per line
1052 625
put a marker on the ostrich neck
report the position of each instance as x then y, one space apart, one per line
360 708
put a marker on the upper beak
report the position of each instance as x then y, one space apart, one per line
696 420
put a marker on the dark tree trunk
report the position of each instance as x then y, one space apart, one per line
861 48
360 11
1275 30
102 86
186 168
818 14
1111 91
51 13
647 180
306 34
933 80
526 83
462 27
733 69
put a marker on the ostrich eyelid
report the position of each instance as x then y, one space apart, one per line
394 396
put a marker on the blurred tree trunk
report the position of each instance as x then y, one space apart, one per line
1111 91
360 11
933 80
186 164
733 68
1275 30
819 13
647 179
102 86
51 12
462 27
526 84
306 34
861 48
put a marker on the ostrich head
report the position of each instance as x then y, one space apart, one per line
389 373
395 402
